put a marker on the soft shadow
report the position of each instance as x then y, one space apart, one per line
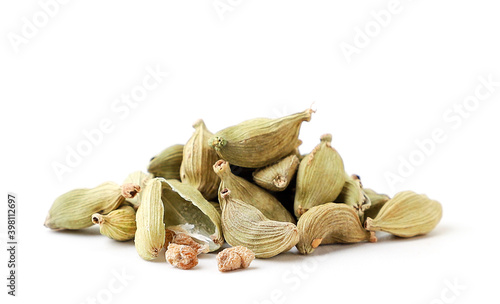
93 230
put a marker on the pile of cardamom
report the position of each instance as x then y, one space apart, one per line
248 186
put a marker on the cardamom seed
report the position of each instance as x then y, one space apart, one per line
167 163
244 225
330 223
197 161
407 214
73 210
251 194
259 142
320 177
119 224
277 177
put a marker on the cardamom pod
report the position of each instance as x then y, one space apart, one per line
119 224
150 234
256 143
137 178
407 214
244 225
277 177
251 194
352 195
320 177
73 209
188 210
197 161
377 202
167 163
330 223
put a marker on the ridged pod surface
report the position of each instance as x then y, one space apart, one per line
244 225
251 194
407 214
167 163
118 225
259 142
197 161
330 223
377 202
320 178
277 177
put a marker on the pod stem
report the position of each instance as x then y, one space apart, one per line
97 218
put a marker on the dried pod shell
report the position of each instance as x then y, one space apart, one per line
244 225
234 258
150 234
181 256
256 143
119 224
407 214
377 202
352 195
187 211
251 194
137 178
328 224
167 163
320 177
277 177
197 161
74 209
181 238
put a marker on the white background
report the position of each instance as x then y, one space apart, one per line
261 59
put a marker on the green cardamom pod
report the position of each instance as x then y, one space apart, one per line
244 225
137 178
198 159
277 177
73 209
259 142
407 214
167 163
330 223
320 178
150 234
119 224
377 202
352 194
251 194
185 207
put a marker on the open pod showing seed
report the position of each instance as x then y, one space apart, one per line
377 202
407 214
186 209
320 178
119 224
137 178
251 194
197 161
244 225
74 209
352 195
330 223
167 163
277 177
150 234
259 142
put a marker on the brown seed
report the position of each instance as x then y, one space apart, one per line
181 256
234 258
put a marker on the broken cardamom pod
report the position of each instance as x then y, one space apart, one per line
187 211
251 194
167 163
197 161
137 178
407 214
73 209
330 223
352 195
277 177
320 178
244 225
256 143
150 234
119 224
377 202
